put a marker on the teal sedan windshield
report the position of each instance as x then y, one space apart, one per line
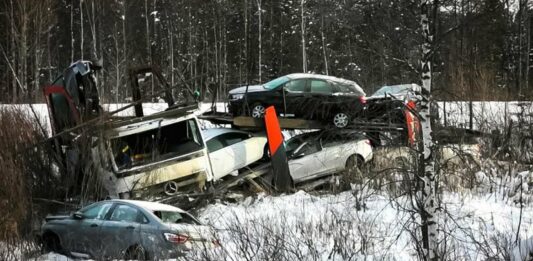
276 82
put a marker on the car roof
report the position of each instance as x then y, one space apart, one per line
398 87
211 133
325 77
325 133
151 206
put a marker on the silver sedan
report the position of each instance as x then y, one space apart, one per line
126 229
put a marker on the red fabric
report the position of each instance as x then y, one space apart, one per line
412 127
411 105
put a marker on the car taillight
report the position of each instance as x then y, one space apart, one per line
411 105
176 238
362 100
368 142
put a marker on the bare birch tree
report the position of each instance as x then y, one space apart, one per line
428 210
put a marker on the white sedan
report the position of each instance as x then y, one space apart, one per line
231 150
317 154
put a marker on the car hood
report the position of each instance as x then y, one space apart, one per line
251 88
56 217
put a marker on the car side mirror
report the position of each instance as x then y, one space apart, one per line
78 215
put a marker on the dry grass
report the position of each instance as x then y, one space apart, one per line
18 132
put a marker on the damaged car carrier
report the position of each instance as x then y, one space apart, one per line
158 154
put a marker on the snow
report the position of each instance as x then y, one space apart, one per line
304 226
487 115
328 220
475 224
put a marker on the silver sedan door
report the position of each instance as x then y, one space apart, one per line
121 230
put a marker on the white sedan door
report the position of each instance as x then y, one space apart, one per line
254 149
307 162
228 153
221 157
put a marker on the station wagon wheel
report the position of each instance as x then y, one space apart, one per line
51 243
258 110
266 153
341 120
135 253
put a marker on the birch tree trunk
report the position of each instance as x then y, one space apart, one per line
428 212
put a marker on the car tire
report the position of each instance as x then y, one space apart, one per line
266 153
135 252
51 243
341 120
257 110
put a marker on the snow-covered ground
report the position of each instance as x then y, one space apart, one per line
302 226
330 227
487 115
475 224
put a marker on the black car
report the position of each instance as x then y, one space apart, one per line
309 96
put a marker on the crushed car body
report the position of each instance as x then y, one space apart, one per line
159 154
162 155
317 154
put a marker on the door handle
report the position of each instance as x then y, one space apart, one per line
94 225
130 227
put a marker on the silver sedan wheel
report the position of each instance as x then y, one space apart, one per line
258 111
340 120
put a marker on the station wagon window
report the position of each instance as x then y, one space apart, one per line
347 88
233 137
125 213
276 82
320 86
308 148
214 144
296 85
157 144
98 211
175 217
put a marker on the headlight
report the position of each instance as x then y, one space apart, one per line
237 96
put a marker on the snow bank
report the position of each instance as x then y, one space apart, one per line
329 227
487 115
